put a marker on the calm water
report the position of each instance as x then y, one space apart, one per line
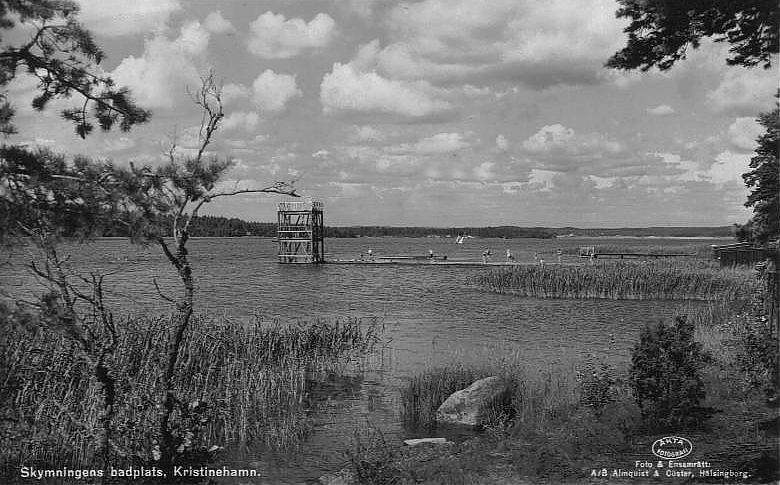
431 316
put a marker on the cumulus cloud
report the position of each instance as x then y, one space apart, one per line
248 120
232 92
539 44
217 24
744 132
501 143
744 91
368 133
484 171
273 36
321 154
116 18
728 168
441 143
558 139
165 66
272 91
661 110
347 89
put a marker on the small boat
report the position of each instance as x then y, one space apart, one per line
459 239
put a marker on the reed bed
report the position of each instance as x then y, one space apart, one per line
700 251
646 280
235 383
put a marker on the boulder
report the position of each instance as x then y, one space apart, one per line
469 406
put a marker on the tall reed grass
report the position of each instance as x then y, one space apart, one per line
647 280
236 383
700 251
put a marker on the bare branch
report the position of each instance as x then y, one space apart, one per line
162 295
282 188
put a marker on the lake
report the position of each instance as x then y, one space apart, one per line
431 316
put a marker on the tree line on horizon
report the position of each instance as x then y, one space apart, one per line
217 226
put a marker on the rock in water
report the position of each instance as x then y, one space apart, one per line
468 406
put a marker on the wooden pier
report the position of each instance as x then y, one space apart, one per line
639 255
424 262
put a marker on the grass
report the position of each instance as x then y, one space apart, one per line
648 280
235 383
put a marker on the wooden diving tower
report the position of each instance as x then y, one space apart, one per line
301 232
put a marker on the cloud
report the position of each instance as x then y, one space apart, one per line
248 120
744 91
346 89
440 143
743 134
542 180
272 91
484 171
272 36
321 154
368 133
501 143
121 143
217 24
116 18
165 67
232 92
661 110
728 168
560 140
537 44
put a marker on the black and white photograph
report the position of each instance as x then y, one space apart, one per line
389 242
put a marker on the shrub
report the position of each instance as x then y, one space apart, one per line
757 352
666 376
375 461
597 382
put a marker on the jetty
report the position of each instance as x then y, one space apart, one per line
400 261
640 255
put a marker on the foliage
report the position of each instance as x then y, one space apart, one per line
660 31
64 58
763 180
374 461
598 381
666 375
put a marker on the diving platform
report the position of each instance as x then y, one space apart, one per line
300 232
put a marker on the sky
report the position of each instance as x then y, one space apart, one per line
428 112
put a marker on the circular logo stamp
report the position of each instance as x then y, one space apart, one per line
672 447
